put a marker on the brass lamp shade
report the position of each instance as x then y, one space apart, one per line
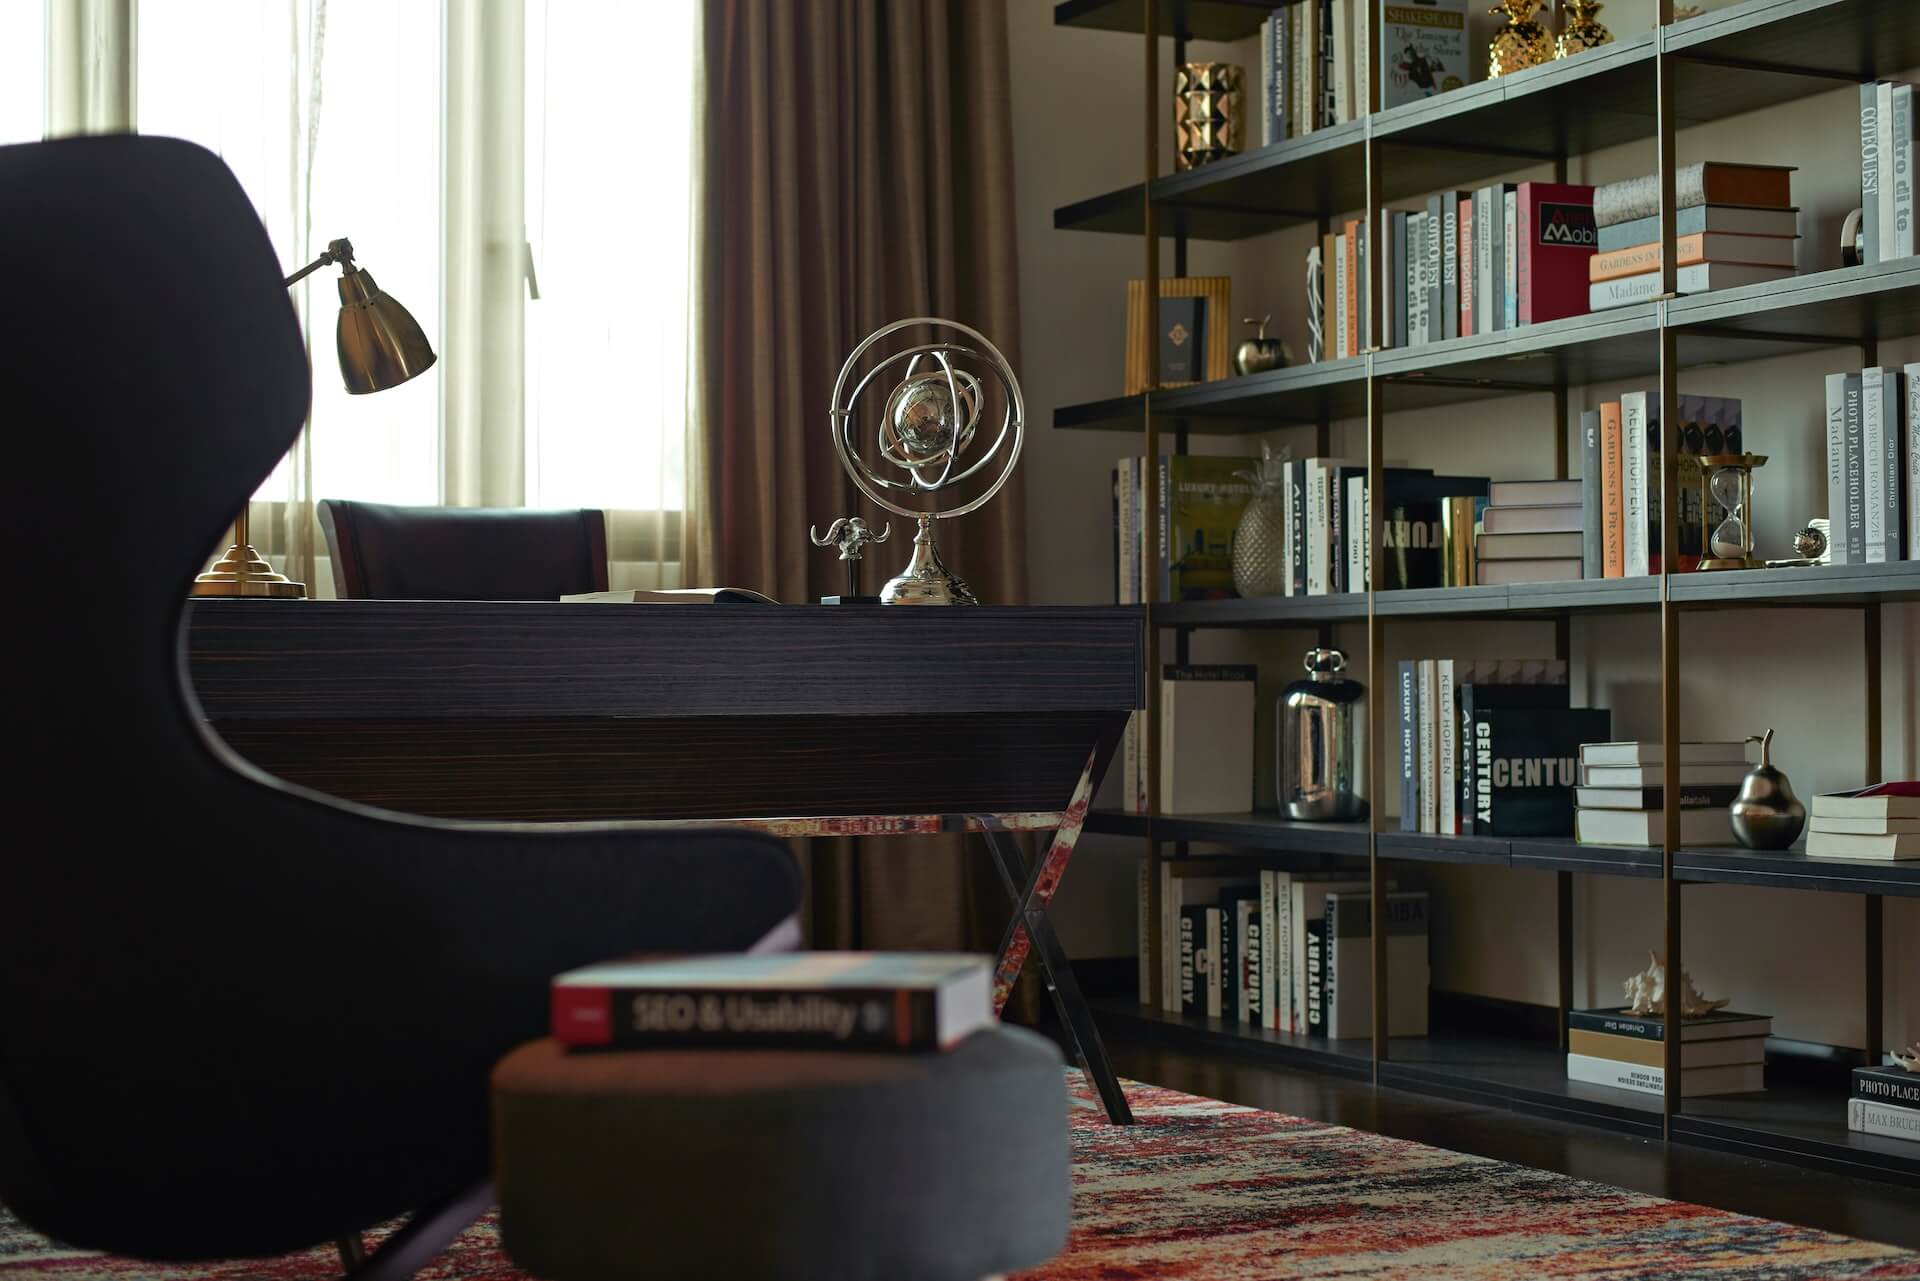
381 344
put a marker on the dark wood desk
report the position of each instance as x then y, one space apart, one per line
801 719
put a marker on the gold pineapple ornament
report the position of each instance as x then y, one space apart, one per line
1581 30
1522 43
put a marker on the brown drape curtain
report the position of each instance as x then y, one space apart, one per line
858 168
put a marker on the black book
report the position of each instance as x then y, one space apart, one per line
1297 486
1183 328
1411 545
1255 956
1525 763
1478 696
1593 562
1887 1084
1237 947
1193 935
1721 1025
1317 976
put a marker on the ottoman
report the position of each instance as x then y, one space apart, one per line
790 1164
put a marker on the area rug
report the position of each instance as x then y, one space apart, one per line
1202 1189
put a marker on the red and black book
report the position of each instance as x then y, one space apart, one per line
799 1000
1555 228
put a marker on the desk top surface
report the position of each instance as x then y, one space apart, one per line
436 660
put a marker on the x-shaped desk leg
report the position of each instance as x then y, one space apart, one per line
1030 930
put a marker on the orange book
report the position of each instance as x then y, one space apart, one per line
1329 342
1701 246
1466 267
1613 499
1351 321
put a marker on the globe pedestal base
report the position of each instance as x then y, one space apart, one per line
925 580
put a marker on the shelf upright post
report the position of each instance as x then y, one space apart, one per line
1873 935
1376 452
1149 717
1664 66
1563 880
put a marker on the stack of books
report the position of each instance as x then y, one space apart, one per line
1885 1100
1886 170
1621 442
1720 1053
1873 465
1621 797
1532 531
794 1000
1733 225
1881 822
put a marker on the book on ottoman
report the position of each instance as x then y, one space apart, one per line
793 1000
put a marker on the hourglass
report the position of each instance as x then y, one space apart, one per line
1727 493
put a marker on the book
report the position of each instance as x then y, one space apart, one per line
1206 739
1207 499
1548 546
1561 518
1182 340
1654 753
1347 979
1307 901
1272 952
1475 695
1467 267
1910 378
825 1000
1252 929
1397 295
1556 236
1883 149
1692 797
1274 59
1836 441
1882 800
1447 205
1740 1078
1707 182
1535 493
1851 523
1870 170
1423 49
1409 748
1612 490
1739 220
1459 525
1652 775
1446 748
1593 562
1883 1119
1648 827
1873 459
1870 826
1239 949
1902 171
1763 251
1486 258
1211 981
674 596
1313 971
1524 767
1193 962
1411 534
1505 573
1892 847
1427 695
1888 1083
1693 1054
1509 260
1143 924
1700 278
1719 1025
1639 483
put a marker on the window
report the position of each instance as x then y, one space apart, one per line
23 70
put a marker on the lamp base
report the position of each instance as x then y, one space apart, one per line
245 572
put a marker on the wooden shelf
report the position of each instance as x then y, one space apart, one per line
1797 1124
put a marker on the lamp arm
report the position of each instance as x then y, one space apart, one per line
340 251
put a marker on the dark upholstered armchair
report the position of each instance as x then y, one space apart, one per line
235 1018
463 553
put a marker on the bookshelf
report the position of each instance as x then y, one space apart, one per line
1642 88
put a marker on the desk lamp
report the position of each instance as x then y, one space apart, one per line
381 346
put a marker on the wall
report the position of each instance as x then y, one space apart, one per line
1797 955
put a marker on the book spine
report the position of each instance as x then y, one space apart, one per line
1650 1029
1318 527
1633 442
1870 170
1251 1011
1404 290
1526 206
1316 1003
1171 887
1837 468
1449 264
1883 1119
1902 160
1890 1086
1463 736
1356 533
1192 923
1283 976
840 1018
1612 1072
1429 775
1342 60
1510 261
1873 457
1911 400
1891 401
1646 231
1297 506
1446 748
1266 81
1483 260
1856 517
1612 491
1143 924
1212 973
1356 286
1409 751
1276 68
1592 559
1883 148
1340 290
1467 267
1336 534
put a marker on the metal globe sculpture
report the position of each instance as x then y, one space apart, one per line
930 425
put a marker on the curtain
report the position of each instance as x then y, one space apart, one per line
858 169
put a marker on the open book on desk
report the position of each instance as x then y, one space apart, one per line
677 596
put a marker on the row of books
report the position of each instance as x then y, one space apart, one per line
1200 502
1286 951
1621 443
1621 797
1734 224
1313 60
1487 746
1720 1053
1873 465
1886 170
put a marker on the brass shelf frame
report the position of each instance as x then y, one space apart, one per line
1755 55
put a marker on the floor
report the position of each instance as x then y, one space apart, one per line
1855 1207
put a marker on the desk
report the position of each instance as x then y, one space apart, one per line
802 720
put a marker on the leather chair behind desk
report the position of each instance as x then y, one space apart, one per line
236 1017
382 552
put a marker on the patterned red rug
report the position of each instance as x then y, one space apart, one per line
1203 1189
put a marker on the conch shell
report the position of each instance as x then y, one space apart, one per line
1646 992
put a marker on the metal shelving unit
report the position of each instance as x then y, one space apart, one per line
1643 88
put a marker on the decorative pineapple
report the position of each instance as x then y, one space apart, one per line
1582 30
1259 540
1522 43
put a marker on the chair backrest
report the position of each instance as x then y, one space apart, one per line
381 552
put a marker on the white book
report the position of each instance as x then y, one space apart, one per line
1343 99
1883 94
1510 267
1270 900
1309 903
1892 483
1348 965
1873 444
1483 277
1356 533
1888 1119
1634 483
1305 119
1837 465
1863 826
1320 473
1912 428
1287 500
1445 718
1266 79
1883 805
1340 296
1653 753
1648 827
1902 171
1653 775
1427 703
1892 847
1206 746
1699 278
1739 1078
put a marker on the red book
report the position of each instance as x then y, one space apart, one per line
1556 233
1466 268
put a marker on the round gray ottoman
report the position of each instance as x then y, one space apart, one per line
789 1164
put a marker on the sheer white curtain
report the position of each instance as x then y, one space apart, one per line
460 144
